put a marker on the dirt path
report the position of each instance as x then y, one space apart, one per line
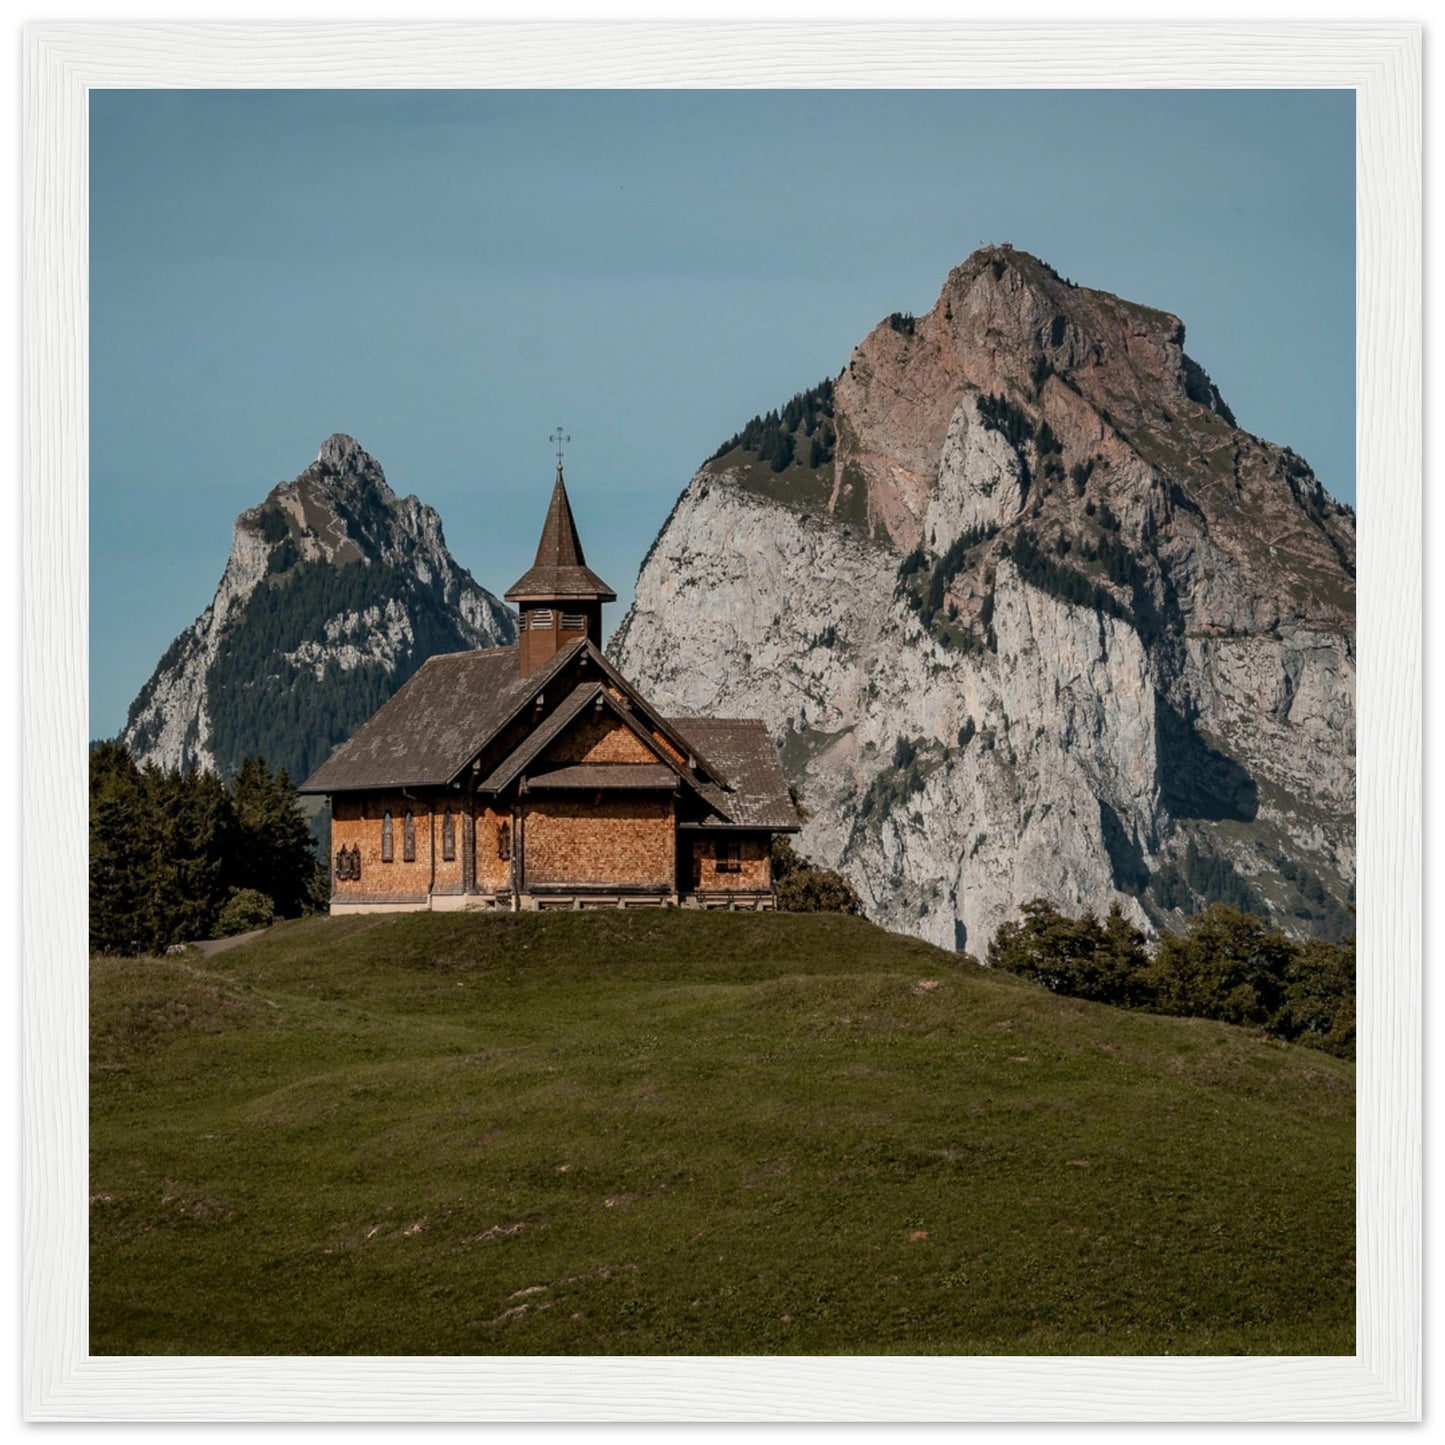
208 946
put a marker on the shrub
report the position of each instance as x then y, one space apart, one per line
1229 966
800 886
1080 957
817 890
246 909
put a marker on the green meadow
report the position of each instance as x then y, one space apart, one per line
666 1132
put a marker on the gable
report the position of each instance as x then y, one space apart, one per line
591 727
591 738
573 680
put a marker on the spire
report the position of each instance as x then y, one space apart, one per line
560 546
560 599
560 571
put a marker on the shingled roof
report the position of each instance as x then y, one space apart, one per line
438 721
741 750
458 702
560 570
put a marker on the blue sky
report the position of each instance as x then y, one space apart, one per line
447 275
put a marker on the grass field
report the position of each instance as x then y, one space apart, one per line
693 1133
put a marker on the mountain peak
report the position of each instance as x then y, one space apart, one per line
342 453
335 592
1029 615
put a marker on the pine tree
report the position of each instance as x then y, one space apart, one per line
116 811
274 853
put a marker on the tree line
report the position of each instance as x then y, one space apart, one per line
1227 965
775 436
181 856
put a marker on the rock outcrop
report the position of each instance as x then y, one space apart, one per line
335 592
1029 615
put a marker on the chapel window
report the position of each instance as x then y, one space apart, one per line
449 836
386 849
408 838
354 871
504 843
729 855
343 865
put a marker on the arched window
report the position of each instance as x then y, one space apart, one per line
408 838
355 863
343 864
449 836
386 853
504 842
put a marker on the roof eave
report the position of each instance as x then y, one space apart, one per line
559 594
739 827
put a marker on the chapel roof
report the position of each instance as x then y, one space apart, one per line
559 570
742 751
458 703
602 777
440 719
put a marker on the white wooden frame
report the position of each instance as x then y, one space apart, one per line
1382 63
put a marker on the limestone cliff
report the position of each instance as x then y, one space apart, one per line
335 592
1028 615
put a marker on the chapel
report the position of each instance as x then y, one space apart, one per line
536 776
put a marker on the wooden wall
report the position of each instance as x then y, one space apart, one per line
755 871
612 843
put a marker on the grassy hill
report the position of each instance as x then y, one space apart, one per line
693 1133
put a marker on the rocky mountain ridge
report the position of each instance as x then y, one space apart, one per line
1030 616
336 590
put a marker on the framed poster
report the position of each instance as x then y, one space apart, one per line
66 64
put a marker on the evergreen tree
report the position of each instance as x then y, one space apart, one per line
1229 966
274 853
117 808
167 850
1079 957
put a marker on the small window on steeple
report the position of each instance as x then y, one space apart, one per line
542 620
574 622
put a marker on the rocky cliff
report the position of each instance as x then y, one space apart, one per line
1028 615
335 592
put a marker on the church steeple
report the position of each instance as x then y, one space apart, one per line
560 598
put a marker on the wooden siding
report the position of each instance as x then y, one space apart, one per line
754 872
448 876
617 842
604 739
493 874
356 821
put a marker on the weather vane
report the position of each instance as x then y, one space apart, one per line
558 437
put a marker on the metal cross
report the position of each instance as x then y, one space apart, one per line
559 438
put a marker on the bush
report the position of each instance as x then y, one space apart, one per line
1229 966
817 890
800 886
1080 957
245 910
